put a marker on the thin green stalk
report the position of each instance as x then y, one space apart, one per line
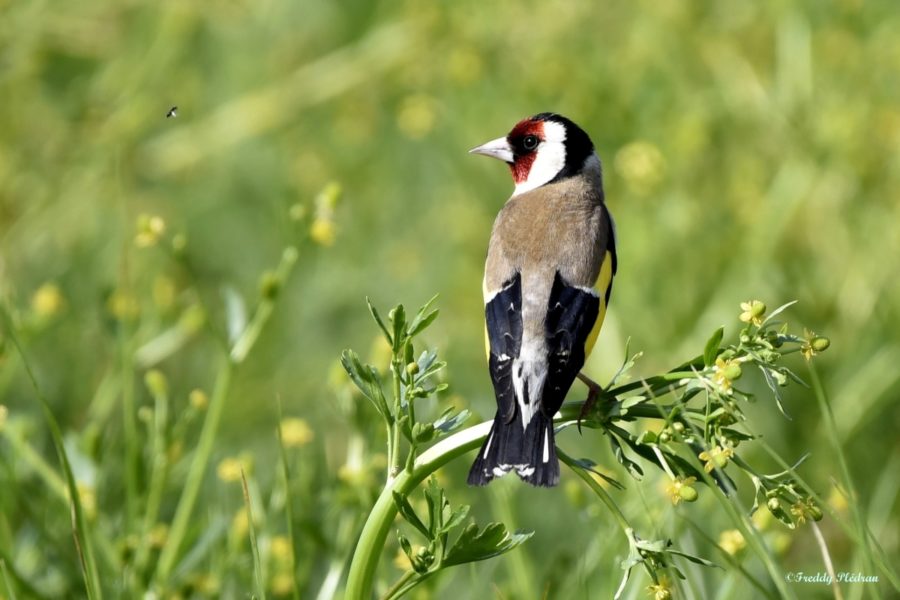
192 484
395 451
735 564
597 489
266 305
24 452
9 588
751 535
399 586
831 434
80 530
288 502
865 537
254 546
158 475
129 428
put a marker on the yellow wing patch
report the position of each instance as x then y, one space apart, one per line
604 280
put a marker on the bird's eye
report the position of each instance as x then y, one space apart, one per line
530 142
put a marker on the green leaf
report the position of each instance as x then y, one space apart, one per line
695 559
406 511
588 465
711 350
776 392
622 374
656 546
633 468
778 311
398 321
434 498
474 544
366 378
448 422
456 518
404 543
378 320
423 318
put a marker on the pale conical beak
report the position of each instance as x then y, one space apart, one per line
498 148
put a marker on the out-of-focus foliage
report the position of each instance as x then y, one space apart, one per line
751 150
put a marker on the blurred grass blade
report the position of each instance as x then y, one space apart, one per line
83 544
254 546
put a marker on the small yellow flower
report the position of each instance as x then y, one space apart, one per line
725 371
88 498
282 551
681 488
417 116
753 312
150 228
295 432
206 584
716 458
804 510
158 535
229 469
836 499
732 541
156 382
240 524
198 399
798 511
164 292
47 301
123 305
661 590
322 231
641 165
282 584
813 344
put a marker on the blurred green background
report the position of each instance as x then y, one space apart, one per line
750 150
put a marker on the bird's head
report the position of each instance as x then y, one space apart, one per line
540 149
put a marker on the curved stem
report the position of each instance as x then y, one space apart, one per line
371 540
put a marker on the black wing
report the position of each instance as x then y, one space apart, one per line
570 319
503 315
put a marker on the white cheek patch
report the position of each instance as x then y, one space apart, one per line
550 159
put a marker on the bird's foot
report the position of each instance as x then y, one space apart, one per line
595 392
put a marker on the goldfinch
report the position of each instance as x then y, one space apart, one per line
547 283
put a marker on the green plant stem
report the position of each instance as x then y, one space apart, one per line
832 435
251 333
288 501
23 452
371 540
395 590
254 546
598 489
83 545
394 464
129 428
194 479
157 481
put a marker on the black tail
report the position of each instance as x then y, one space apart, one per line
530 452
